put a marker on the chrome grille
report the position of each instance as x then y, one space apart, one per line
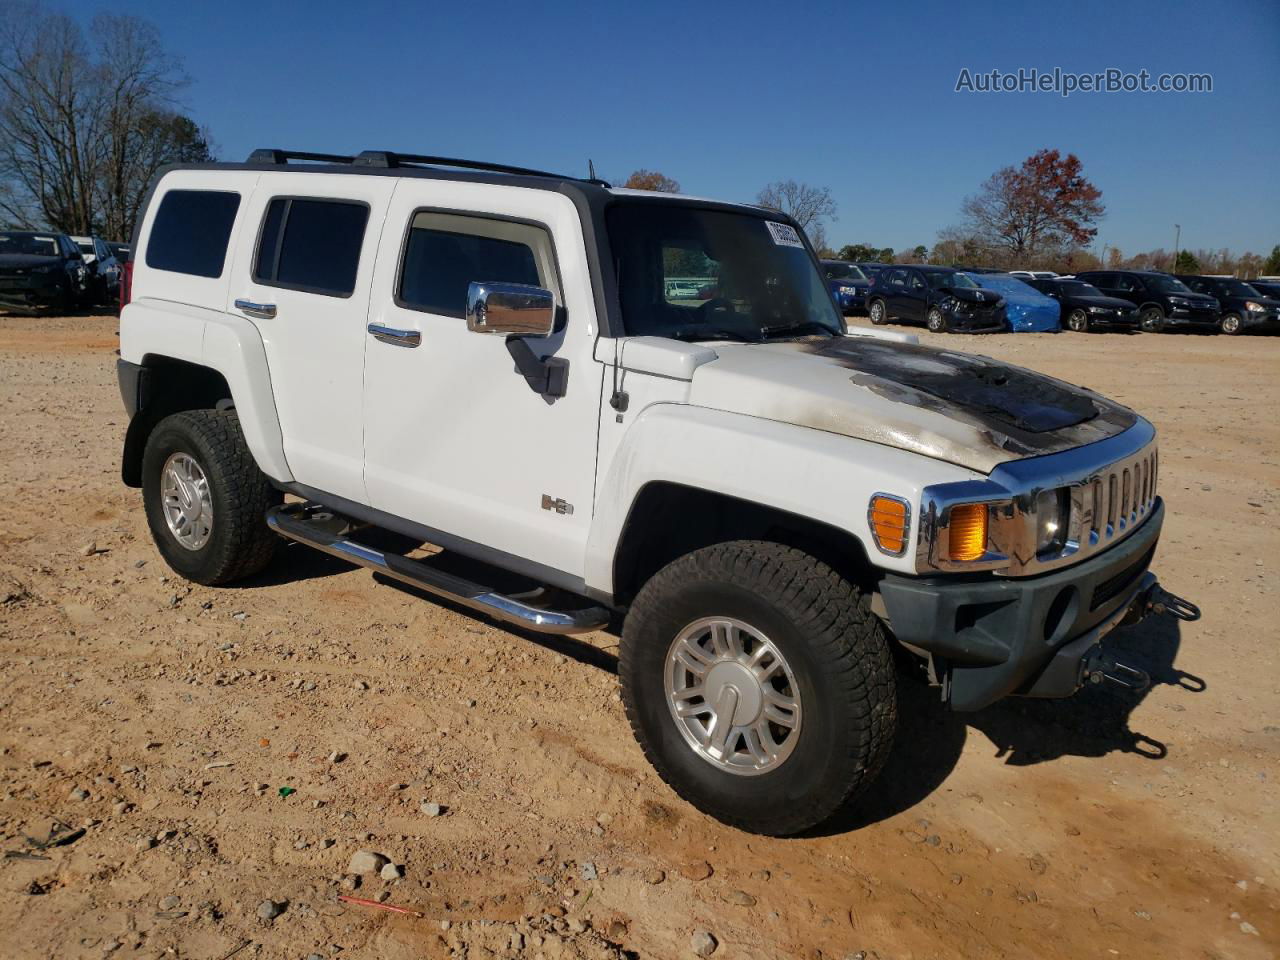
1109 505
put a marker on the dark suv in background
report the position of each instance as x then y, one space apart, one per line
1085 307
848 284
41 271
1244 308
1162 300
943 298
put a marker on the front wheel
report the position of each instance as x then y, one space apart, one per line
1229 324
205 497
759 685
1078 321
936 320
1151 320
879 316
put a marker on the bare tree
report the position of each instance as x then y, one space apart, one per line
652 180
807 205
83 129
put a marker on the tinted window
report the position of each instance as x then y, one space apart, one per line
445 253
191 230
311 245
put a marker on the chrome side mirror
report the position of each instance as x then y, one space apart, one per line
510 309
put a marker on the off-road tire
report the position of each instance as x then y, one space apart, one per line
884 312
836 648
936 321
240 543
1078 321
1230 324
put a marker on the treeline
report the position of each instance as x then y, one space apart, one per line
87 117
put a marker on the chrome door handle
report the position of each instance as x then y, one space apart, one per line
399 338
263 311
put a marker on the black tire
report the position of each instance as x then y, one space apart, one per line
240 543
1230 324
936 321
878 312
1078 321
836 649
1151 320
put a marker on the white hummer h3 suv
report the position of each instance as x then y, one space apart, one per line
628 408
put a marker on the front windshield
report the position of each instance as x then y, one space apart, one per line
938 280
28 244
1076 288
1165 284
696 273
844 271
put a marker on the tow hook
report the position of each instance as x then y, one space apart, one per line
1160 600
1101 666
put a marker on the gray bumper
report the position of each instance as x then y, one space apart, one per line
994 637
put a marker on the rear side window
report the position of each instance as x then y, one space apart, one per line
311 245
445 253
191 231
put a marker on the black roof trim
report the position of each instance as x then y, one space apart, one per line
269 155
387 159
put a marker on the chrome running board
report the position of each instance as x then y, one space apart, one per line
317 527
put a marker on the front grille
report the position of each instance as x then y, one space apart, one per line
1112 587
1118 499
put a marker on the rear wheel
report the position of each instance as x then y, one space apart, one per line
1230 324
759 685
205 497
879 316
936 320
1151 319
1078 321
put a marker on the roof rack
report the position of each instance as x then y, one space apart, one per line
388 159
268 155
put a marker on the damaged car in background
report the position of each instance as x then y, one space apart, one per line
509 364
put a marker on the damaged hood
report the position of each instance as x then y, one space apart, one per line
973 295
968 410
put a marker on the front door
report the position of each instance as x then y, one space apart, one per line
302 274
456 440
916 302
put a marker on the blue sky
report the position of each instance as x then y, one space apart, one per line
728 96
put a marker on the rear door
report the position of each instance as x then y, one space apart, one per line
302 272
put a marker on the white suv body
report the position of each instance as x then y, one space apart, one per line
321 319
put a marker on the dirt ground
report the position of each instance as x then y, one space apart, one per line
165 718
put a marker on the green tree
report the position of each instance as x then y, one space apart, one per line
1272 265
1186 262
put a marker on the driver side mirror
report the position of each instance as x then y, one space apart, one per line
510 309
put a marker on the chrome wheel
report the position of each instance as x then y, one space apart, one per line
733 696
877 312
187 503
1230 324
935 321
1078 322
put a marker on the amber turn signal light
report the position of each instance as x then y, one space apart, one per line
889 518
967 532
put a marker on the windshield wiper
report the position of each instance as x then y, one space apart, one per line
717 334
768 332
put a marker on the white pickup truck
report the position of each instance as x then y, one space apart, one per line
491 360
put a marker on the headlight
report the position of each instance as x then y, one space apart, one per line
1180 301
849 291
1097 309
1254 307
1049 513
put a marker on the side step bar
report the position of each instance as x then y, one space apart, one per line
314 525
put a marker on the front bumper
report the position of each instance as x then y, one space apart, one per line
994 637
31 292
1192 315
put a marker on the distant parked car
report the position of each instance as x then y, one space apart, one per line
41 271
1162 300
848 284
982 270
1033 274
1244 308
944 298
1085 307
1268 288
871 268
104 269
1026 309
120 251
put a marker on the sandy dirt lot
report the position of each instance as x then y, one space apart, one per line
164 718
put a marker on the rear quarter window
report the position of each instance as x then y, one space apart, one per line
191 230
311 245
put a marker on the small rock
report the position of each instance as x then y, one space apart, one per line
169 902
617 930
145 843
315 956
391 872
89 549
308 686
703 943
365 862
445 924
589 871
270 909
79 793
337 756
121 808
432 809
1249 928
360 685
654 876
740 898
1038 864
546 879
1142 914
698 870
350 882
1242 884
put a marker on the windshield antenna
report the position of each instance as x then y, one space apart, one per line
591 169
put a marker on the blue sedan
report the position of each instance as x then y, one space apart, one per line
848 285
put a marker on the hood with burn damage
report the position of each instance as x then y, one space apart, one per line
965 409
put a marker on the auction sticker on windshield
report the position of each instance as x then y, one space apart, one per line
784 234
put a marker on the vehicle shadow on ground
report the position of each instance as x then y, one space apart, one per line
1093 723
